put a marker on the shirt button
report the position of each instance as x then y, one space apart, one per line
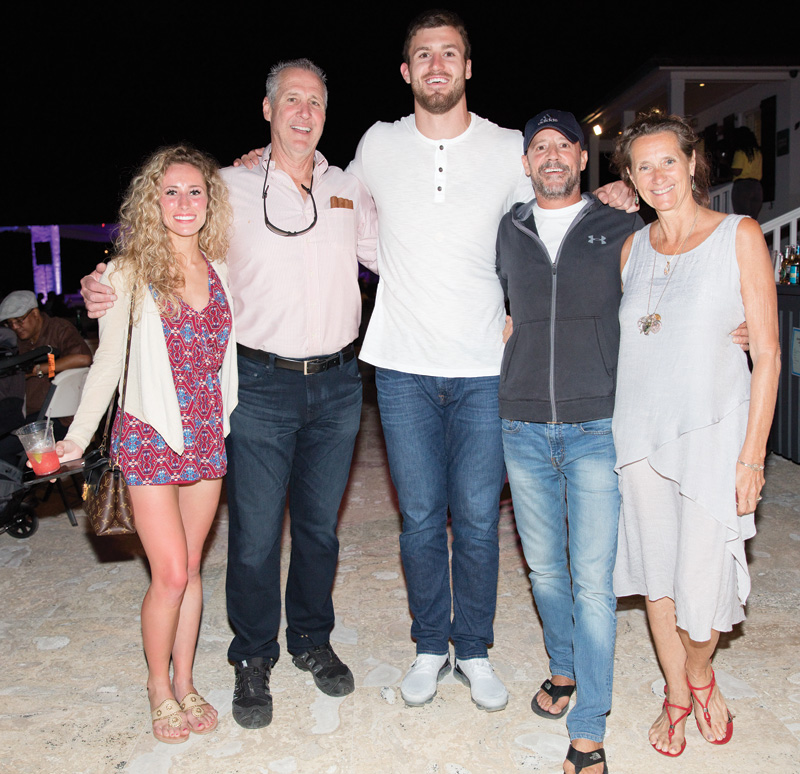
439 188
441 147
441 170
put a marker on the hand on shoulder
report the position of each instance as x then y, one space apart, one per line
251 159
97 297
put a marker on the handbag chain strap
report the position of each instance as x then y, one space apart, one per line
104 445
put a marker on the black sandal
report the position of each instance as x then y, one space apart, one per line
555 692
581 760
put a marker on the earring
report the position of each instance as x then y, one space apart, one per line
694 185
635 197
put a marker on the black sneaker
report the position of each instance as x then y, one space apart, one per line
330 674
252 701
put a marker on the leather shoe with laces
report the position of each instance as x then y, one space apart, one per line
252 701
330 674
487 691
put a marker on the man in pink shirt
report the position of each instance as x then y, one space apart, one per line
300 228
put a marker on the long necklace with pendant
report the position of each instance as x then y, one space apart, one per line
651 322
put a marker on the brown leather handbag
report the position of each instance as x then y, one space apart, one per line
106 499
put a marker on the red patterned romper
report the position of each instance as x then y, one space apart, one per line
196 343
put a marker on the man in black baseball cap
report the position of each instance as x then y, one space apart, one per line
561 121
558 261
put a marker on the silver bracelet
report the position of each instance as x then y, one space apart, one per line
751 465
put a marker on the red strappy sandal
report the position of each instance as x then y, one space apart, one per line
706 714
685 712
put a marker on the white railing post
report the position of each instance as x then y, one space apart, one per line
721 198
772 228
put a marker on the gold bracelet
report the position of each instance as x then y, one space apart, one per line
751 465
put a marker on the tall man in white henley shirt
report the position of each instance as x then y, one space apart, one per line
442 178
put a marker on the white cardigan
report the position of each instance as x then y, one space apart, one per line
151 395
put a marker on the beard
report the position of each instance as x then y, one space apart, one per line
546 189
439 102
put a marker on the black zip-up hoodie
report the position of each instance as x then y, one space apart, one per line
560 364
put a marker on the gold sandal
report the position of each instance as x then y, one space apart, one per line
170 711
194 704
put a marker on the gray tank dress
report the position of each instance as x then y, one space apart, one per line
683 395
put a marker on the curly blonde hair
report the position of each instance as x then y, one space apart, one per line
143 247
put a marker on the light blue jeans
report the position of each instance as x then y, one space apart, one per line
445 451
566 505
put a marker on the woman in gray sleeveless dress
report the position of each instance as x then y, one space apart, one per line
691 422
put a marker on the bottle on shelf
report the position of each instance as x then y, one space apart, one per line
794 264
785 264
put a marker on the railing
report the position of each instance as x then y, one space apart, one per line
721 198
778 232
782 231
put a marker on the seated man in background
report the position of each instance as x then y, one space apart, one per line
20 312
12 385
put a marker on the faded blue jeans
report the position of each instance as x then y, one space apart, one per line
445 450
566 505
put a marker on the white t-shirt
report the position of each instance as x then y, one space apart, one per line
551 225
439 308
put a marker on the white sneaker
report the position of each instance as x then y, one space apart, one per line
487 691
419 684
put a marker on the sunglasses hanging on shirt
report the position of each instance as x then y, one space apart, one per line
271 226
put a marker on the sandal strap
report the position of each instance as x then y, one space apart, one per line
168 710
685 712
704 707
556 692
710 689
193 703
581 760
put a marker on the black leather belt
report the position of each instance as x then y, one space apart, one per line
314 365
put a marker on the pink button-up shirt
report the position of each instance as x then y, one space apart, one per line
298 296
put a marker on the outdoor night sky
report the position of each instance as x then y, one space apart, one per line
88 93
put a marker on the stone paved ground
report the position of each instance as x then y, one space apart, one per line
72 696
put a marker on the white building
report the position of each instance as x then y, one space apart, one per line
717 99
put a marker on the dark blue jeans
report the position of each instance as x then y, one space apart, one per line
445 448
290 433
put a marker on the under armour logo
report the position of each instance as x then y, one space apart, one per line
600 239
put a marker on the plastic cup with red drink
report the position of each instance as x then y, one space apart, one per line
40 446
